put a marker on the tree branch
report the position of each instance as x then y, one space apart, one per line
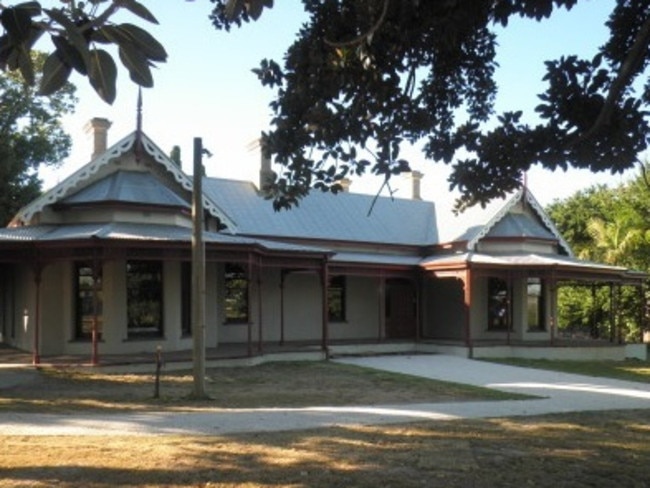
629 65
359 39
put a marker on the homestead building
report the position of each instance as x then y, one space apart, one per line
101 265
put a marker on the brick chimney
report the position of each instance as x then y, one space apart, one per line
98 127
345 184
267 176
416 178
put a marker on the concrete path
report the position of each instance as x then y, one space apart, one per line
560 392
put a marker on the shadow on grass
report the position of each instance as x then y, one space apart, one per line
549 451
268 385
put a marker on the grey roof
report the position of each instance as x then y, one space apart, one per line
83 174
375 258
467 225
522 259
496 219
137 232
130 187
340 217
520 225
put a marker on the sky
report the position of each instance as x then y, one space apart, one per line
206 89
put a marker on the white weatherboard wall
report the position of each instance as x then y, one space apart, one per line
302 307
362 310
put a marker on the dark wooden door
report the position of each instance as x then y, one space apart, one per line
401 309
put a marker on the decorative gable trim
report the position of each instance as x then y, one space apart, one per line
534 204
522 195
154 151
72 183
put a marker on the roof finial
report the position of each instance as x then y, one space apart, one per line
524 181
138 126
138 123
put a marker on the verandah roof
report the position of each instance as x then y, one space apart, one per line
136 232
563 267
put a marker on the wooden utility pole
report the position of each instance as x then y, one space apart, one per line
198 274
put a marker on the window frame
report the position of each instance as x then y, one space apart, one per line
236 299
143 292
539 306
84 305
499 306
337 294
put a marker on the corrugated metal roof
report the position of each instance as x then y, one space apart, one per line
375 258
26 234
520 225
518 259
130 187
498 219
467 225
73 182
340 217
137 232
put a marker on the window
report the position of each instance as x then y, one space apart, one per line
336 299
498 305
89 302
144 301
236 294
186 299
7 301
535 304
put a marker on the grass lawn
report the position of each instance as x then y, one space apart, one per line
569 450
629 370
578 450
282 384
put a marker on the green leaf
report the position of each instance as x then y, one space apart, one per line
55 74
145 42
137 64
125 35
17 22
69 54
102 73
234 8
6 48
103 35
255 8
25 64
74 34
139 10
32 8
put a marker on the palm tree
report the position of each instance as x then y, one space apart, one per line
613 241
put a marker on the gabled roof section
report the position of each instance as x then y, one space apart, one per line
75 181
497 219
324 216
127 187
520 225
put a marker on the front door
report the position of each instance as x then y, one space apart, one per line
401 309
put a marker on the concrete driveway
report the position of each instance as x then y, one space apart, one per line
559 392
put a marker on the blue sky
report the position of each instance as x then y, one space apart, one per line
206 89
